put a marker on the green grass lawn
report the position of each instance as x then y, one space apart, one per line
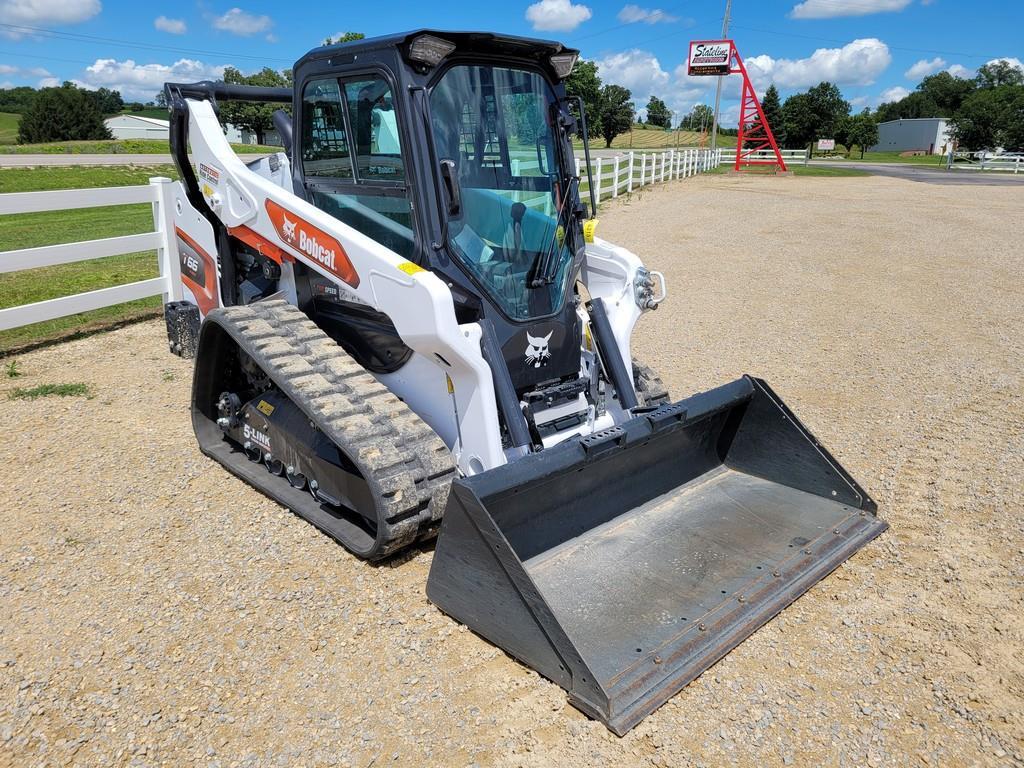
30 230
9 127
114 147
891 157
802 170
157 113
644 137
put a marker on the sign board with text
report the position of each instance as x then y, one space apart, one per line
826 145
709 57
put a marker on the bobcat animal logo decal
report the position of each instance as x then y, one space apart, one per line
537 352
288 228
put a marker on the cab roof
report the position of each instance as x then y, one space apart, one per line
528 48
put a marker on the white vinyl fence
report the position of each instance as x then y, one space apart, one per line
627 172
158 192
789 156
612 176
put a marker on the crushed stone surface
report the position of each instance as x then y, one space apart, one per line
154 610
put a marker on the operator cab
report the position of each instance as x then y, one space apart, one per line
455 151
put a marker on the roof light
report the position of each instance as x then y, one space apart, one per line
563 63
429 50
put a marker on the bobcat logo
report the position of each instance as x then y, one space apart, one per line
537 352
289 228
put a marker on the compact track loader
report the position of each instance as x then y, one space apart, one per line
404 328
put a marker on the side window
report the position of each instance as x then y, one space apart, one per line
353 174
371 114
325 151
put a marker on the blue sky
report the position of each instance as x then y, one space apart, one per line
874 49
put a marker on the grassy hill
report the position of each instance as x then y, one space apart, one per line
9 127
647 137
159 113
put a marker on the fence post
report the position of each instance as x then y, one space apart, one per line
597 181
807 156
643 167
615 177
629 179
163 224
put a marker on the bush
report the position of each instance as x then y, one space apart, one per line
62 114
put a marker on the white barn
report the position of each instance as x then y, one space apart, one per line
923 134
138 127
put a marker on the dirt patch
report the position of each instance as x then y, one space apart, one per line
155 610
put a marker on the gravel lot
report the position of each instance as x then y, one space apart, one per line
156 611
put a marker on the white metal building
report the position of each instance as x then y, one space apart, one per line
923 134
138 127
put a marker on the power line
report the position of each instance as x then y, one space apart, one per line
76 37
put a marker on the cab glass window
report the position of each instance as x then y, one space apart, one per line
325 147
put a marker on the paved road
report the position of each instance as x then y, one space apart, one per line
929 175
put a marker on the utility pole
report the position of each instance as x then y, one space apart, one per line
718 89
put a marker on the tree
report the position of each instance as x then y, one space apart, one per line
946 92
658 113
108 102
252 116
616 112
67 113
860 130
585 83
997 73
990 118
772 108
17 99
344 37
816 114
700 118
915 105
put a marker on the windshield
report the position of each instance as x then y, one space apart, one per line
495 124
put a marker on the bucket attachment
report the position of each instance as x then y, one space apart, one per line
623 564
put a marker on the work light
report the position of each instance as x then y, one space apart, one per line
429 50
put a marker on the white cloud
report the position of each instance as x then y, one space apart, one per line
924 67
856 63
1013 61
895 93
9 69
827 9
640 71
141 82
36 13
174 26
557 15
238 22
48 82
959 70
631 14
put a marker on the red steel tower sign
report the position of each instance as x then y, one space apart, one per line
720 57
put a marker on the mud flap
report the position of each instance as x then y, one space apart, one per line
624 564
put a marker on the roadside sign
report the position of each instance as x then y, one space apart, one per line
709 57
826 144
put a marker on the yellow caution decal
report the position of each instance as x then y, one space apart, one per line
265 408
451 385
409 268
589 227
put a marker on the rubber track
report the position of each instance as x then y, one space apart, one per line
650 389
405 463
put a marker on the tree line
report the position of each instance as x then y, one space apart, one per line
62 113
